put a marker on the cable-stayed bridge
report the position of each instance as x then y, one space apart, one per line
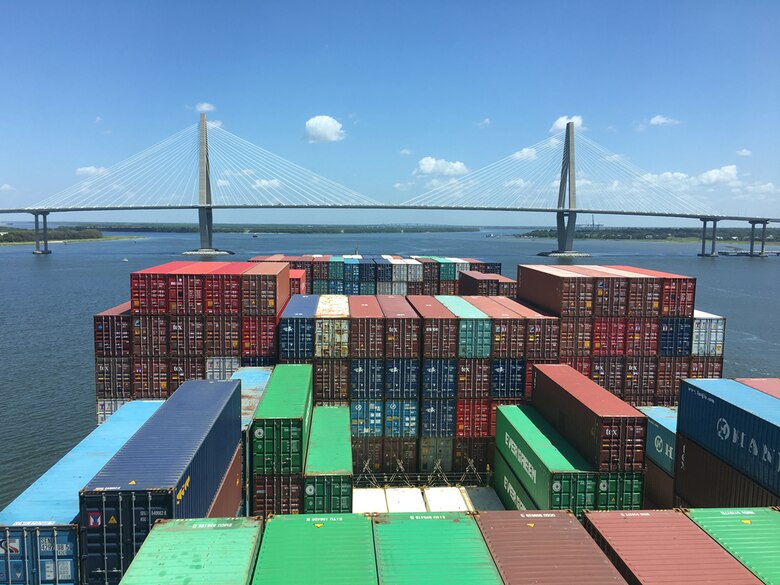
205 167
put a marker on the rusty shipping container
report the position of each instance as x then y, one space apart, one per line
542 336
366 327
149 288
223 336
402 327
439 327
258 336
677 292
150 336
563 293
509 328
186 335
186 288
576 337
641 336
222 289
331 379
265 289
331 327
113 331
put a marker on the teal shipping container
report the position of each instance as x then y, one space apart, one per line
475 329
661 435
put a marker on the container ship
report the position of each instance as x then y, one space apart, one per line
387 419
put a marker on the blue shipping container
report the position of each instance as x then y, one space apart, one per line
351 288
507 378
351 270
319 287
366 378
401 418
296 327
440 378
402 378
171 468
335 287
384 270
367 271
438 418
492 267
366 416
675 336
367 288
661 435
258 362
38 529
736 423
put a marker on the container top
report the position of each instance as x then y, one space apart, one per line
481 498
461 307
444 499
288 392
697 314
521 309
769 386
267 269
597 399
492 308
364 307
123 309
330 444
231 269
333 307
336 259
253 382
200 268
54 497
336 549
754 401
666 416
297 273
592 271
203 551
440 548
664 546
411 261
429 308
164 268
321 258
396 307
397 261
555 548
556 271
477 275
624 272
368 501
158 455
301 307
404 500
502 278
654 273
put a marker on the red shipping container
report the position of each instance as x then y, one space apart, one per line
186 335
399 454
472 417
677 292
276 494
576 336
150 378
439 327
258 336
113 331
430 288
474 264
472 454
610 291
414 288
529 375
367 455
471 282
366 327
320 267
581 364
641 336
671 370
265 289
474 376
609 372
222 289
769 386
402 327
644 292
150 336
227 502
113 377
298 282
565 294
186 288
185 368
609 336
430 271
641 377
223 336
494 404
507 289
509 328
706 367
149 288
448 287
331 379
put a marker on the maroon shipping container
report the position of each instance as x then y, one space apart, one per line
671 370
677 291
704 481
555 547
641 336
227 501
509 328
430 270
366 327
644 292
706 367
399 454
276 494
542 332
471 282
113 332
495 403
641 376
149 288
663 546
186 288
606 431
150 377
222 289
402 327
472 454
610 291
186 336
331 379
414 288
223 336
581 364
185 368
113 377
448 287
659 488
507 288
576 336
769 386
367 455
258 337
439 327
565 294
474 264
474 375
472 417
320 268
298 282
609 373
265 289
150 335
609 336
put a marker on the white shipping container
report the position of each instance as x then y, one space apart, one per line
384 288
400 271
108 406
407 500
709 334
369 501
460 265
399 288
331 338
221 368
332 307
414 270
479 499
444 499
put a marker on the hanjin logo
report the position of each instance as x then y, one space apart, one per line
659 444
724 430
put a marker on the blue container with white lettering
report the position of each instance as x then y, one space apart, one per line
366 418
367 271
296 327
366 378
401 418
384 270
675 336
736 423
507 378
351 270
335 287
661 435
402 378
437 417
439 378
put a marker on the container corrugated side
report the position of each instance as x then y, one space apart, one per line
510 490
327 479
475 329
661 435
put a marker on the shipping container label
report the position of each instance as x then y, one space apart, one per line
521 457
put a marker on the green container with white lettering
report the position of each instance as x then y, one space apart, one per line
508 488
475 329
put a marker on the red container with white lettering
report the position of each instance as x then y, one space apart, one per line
609 336
186 288
366 327
402 327
222 289
439 327
298 282
149 288
258 337
472 417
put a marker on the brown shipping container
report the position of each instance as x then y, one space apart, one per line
185 368
677 292
439 327
471 282
563 293
642 336
769 386
430 270
150 377
223 336
366 327
509 328
644 292
472 453
609 373
529 375
186 288
542 332
113 377
659 487
298 282
430 288
402 327
415 288
474 375
276 494
448 287
113 332
367 455
258 336
671 370
576 336
581 364
399 454
609 336
609 433
706 367
186 335
545 547
610 291
320 267
265 289
150 335
641 375
149 288
704 481
507 288
227 501
331 379
222 289
663 546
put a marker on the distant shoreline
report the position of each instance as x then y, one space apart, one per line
75 241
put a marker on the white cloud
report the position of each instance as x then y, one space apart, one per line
404 186
321 129
215 123
438 166
405 152
91 171
223 183
267 184
744 152
98 120
525 154
725 175
205 107
659 120
614 157
6 188
436 183
517 183
484 123
560 123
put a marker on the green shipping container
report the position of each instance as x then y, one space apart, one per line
751 535
326 550
432 549
280 430
475 329
446 268
336 268
508 488
327 480
198 552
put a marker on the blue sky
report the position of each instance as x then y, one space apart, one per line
688 91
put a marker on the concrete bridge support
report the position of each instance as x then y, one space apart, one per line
753 238
714 236
38 234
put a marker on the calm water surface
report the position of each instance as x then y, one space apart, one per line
47 401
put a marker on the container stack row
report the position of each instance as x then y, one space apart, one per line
473 282
634 331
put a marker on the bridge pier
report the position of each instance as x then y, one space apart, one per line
704 222
763 238
38 234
